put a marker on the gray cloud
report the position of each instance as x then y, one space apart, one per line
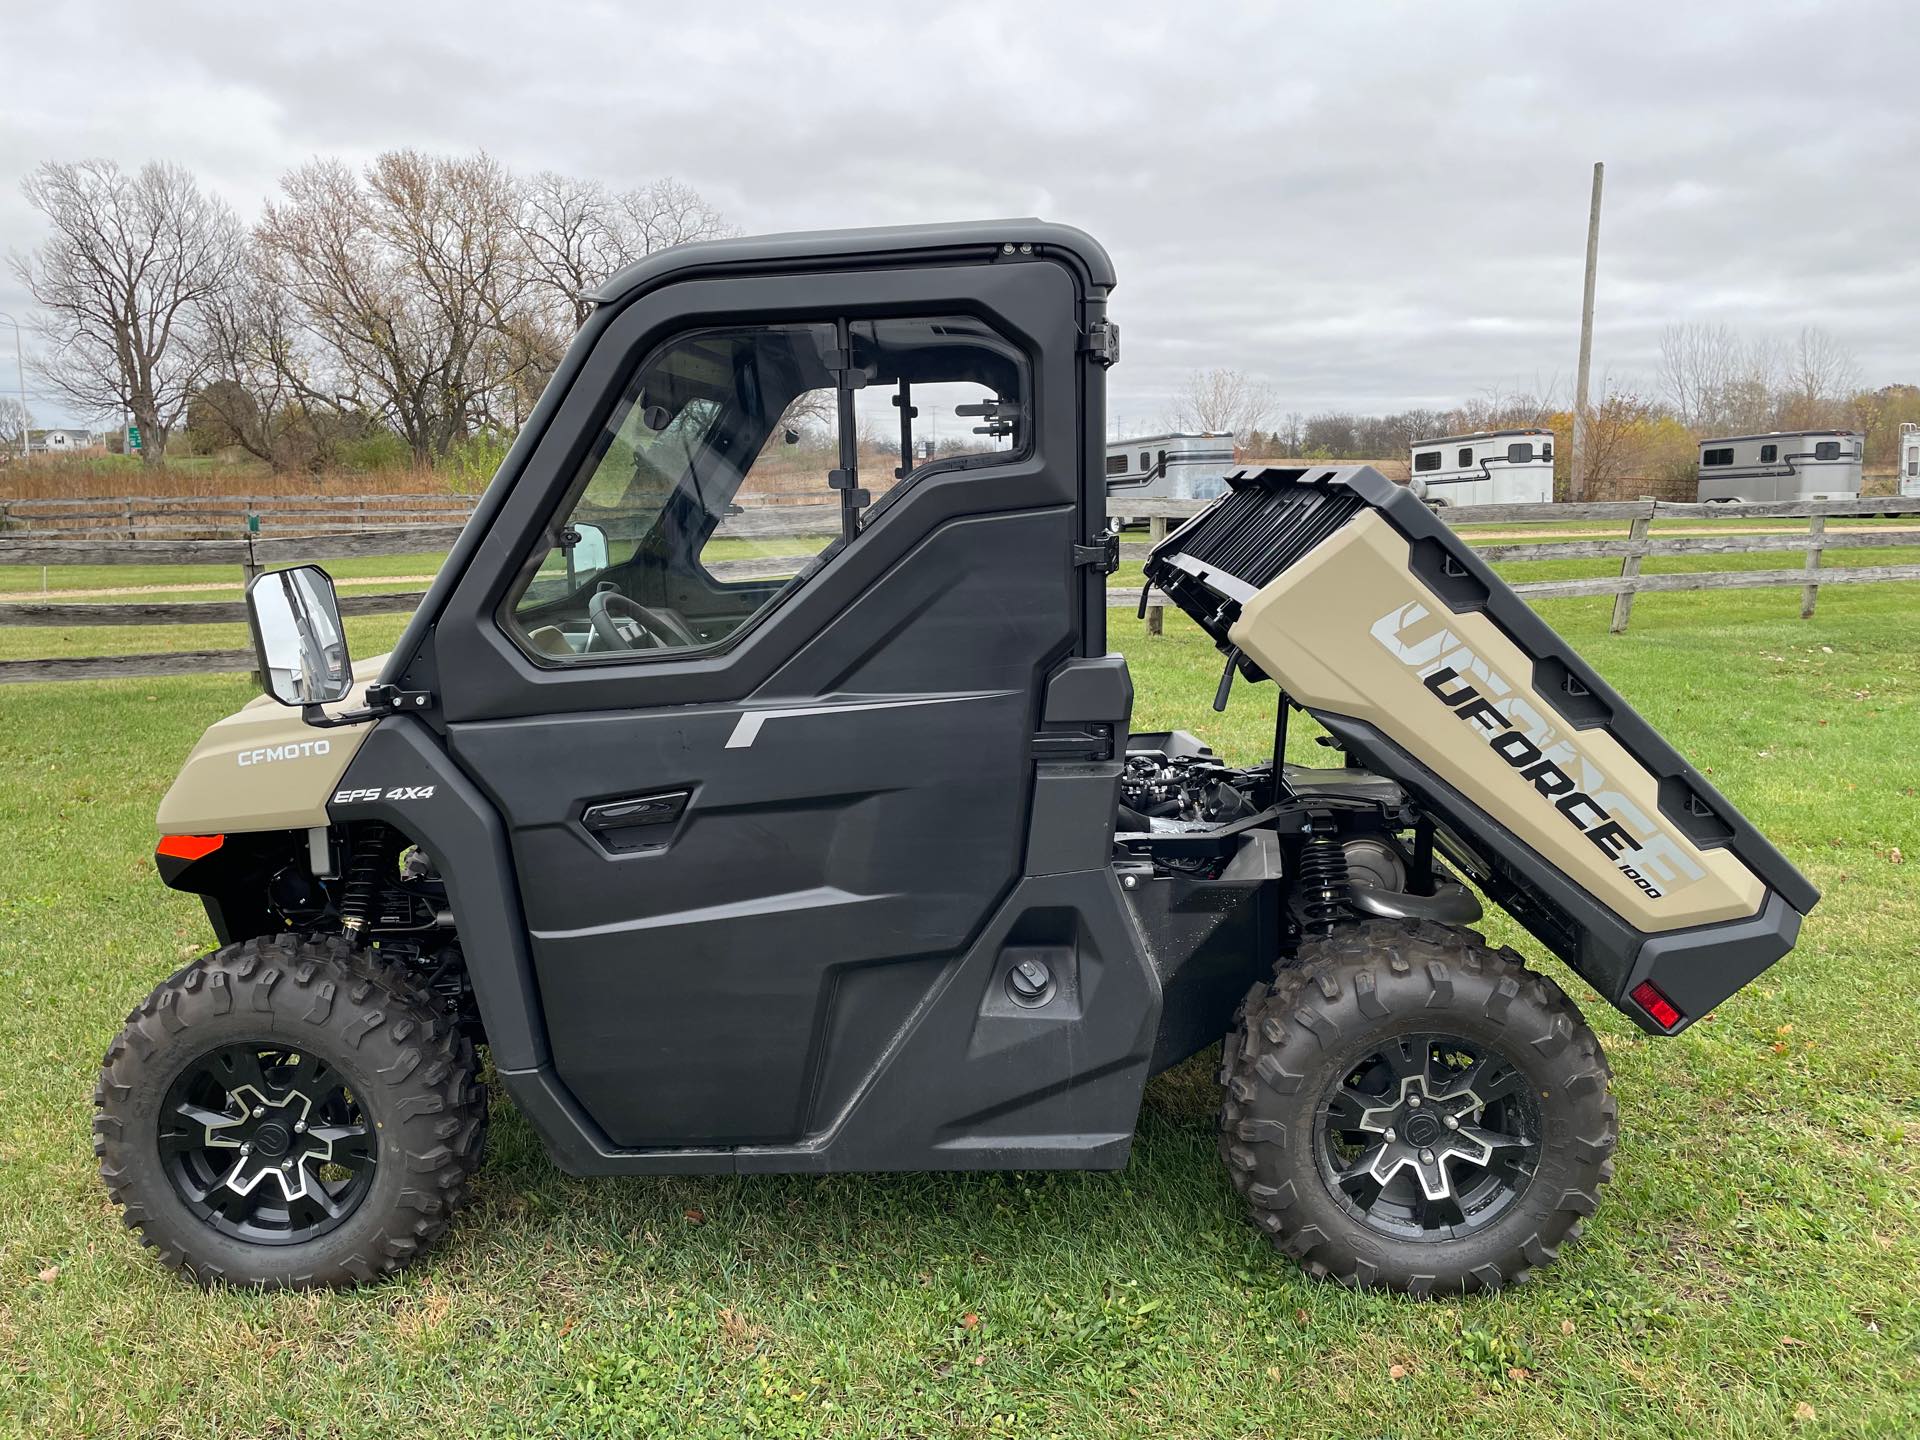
1373 206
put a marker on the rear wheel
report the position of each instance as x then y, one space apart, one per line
1410 1109
288 1112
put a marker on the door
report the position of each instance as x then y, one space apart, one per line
750 663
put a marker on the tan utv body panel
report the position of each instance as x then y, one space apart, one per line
265 768
1351 630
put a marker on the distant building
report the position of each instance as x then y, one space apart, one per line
1909 458
1489 467
60 442
1177 466
1782 465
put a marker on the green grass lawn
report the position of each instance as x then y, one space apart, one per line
1752 1271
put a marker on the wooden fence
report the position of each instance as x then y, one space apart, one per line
176 517
252 553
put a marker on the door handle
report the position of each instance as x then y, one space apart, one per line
636 811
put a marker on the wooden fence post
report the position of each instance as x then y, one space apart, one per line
1816 542
1630 567
131 534
1156 614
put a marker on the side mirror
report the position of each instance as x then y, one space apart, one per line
298 636
585 547
590 550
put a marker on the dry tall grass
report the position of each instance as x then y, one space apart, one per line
90 477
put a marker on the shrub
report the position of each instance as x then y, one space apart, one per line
470 461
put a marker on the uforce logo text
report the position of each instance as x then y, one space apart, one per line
1540 757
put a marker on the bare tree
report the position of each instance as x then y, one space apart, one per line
1495 408
571 231
1222 401
258 390
668 213
1820 377
410 283
577 233
121 283
1329 434
1698 363
1750 401
15 421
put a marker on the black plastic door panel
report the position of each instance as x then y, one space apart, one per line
843 794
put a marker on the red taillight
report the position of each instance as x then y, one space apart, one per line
1663 1011
189 847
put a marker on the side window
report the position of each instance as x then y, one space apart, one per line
1116 464
935 395
1546 450
1717 457
1466 458
1520 453
1827 450
1146 460
1427 460
1913 467
1769 454
721 481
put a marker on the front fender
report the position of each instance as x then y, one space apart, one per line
400 774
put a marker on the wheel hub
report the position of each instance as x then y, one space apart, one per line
266 1145
1429 1136
1422 1131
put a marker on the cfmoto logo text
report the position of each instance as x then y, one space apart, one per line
293 750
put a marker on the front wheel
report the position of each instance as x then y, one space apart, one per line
1409 1109
288 1113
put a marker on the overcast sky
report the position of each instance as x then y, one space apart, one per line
1371 205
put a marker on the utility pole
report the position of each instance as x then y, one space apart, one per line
20 360
1577 486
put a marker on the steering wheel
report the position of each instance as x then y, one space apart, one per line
620 623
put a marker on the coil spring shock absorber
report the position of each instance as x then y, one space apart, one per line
375 845
1325 888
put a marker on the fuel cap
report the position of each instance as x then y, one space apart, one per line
1030 983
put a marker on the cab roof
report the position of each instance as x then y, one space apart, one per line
814 246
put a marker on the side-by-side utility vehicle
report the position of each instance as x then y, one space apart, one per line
755 784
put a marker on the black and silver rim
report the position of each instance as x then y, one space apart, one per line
265 1144
1428 1136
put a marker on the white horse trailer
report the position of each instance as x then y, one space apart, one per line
1786 465
1910 458
1166 467
1493 467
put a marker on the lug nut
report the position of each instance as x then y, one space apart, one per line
258 1111
299 1127
1391 1137
286 1164
246 1147
1426 1157
1452 1123
1413 1102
